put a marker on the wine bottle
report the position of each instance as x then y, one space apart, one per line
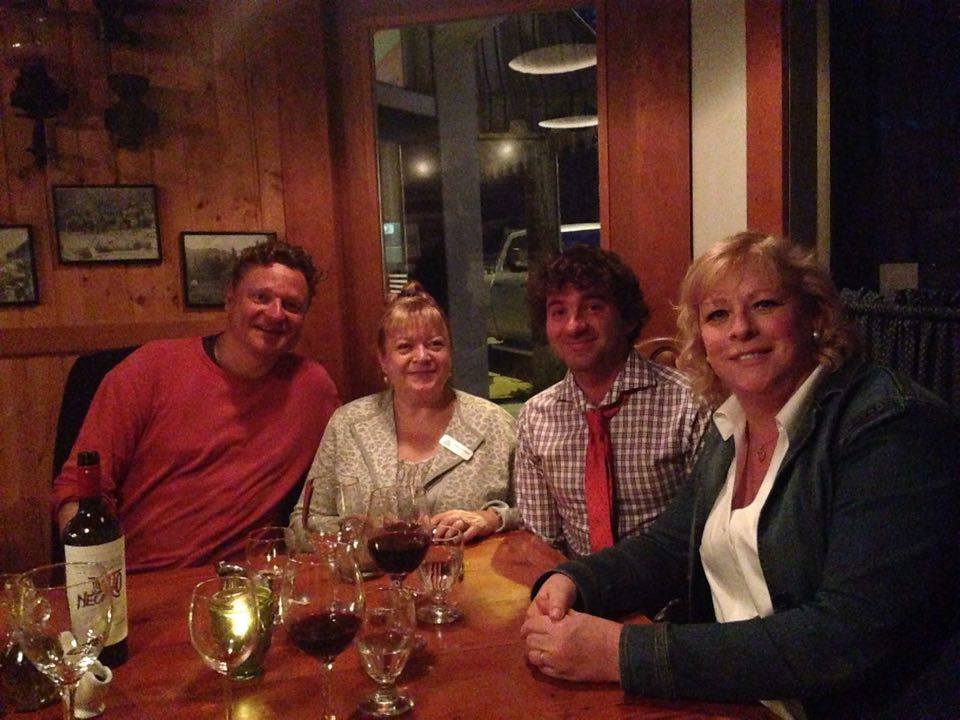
94 535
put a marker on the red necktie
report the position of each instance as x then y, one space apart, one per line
598 475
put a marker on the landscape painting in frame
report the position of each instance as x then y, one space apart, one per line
107 223
18 268
208 258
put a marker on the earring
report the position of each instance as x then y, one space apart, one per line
816 336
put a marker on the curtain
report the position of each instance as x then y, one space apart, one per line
916 332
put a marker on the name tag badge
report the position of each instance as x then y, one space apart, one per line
456 447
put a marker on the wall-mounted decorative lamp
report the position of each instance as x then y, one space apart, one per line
556 59
129 120
34 91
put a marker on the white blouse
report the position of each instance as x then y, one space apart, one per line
728 548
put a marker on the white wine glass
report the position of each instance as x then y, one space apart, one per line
385 641
439 571
224 626
64 612
323 606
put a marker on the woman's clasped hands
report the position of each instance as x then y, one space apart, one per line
474 524
564 643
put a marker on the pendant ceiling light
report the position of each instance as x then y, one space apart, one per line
570 122
556 59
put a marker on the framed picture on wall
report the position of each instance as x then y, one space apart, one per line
208 258
107 223
18 266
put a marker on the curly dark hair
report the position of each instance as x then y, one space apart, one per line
591 269
276 251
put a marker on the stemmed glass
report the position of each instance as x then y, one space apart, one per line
224 626
385 640
397 530
352 502
323 605
64 613
438 572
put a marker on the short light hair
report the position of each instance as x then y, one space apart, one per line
799 272
412 305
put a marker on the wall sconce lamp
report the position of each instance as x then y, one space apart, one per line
129 120
34 93
37 95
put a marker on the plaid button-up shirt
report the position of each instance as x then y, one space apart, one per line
655 437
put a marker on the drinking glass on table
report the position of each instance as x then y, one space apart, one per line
224 626
63 615
23 688
352 502
323 605
439 570
397 530
385 640
267 551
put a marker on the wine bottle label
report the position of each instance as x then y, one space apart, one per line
111 556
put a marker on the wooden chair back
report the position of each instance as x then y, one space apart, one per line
663 350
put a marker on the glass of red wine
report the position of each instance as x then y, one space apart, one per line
398 530
323 606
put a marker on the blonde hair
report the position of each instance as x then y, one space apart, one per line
799 272
411 306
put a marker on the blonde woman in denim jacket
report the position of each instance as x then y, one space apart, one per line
816 546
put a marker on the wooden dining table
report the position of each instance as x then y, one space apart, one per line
473 668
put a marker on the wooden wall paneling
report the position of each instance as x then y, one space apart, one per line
647 187
204 144
25 189
354 158
26 457
766 166
308 188
175 78
236 178
263 91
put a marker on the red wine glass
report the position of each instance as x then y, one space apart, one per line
398 530
323 606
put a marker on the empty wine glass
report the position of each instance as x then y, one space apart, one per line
267 551
439 570
323 605
385 640
397 530
22 687
224 626
64 612
352 501
9 583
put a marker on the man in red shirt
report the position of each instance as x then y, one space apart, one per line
202 439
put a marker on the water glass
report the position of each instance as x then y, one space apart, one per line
385 641
439 571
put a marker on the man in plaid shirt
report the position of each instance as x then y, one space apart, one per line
593 310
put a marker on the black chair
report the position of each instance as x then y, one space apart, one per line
82 382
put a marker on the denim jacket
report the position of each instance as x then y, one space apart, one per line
858 542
